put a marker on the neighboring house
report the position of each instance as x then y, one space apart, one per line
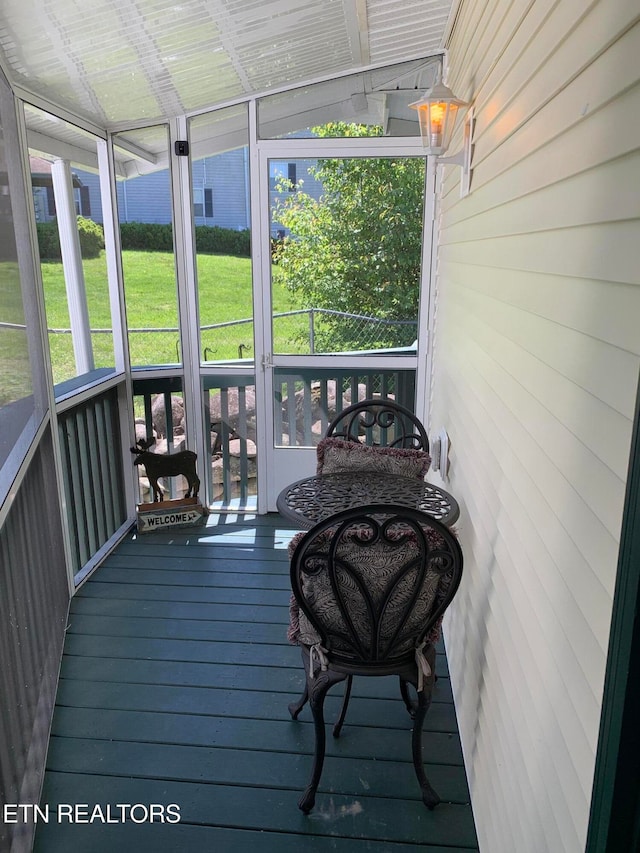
220 191
44 202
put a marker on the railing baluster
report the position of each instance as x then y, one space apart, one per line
291 412
94 474
114 459
168 415
208 454
65 449
278 415
148 416
324 404
242 432
78 496
224 437
103 438
307 404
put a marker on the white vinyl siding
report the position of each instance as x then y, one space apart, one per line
537 351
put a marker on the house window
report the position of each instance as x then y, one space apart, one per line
203 203
81 197
51 202
279 171
83 202
198 203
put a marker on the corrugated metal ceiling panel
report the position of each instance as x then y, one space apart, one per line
116 61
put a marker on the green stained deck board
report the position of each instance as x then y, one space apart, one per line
191 838
164 573
180 592
239 555
217 558
174 687
141 607
239 702
193 650
95 624
270 735
353 776
275 809
274 678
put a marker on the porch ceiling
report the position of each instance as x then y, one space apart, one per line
115 62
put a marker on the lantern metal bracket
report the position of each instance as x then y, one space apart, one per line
463 157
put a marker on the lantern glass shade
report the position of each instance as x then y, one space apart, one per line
438 111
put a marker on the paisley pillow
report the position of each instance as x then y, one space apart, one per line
335 455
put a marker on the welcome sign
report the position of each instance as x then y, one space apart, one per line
163 514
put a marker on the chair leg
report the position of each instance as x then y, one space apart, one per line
296 707
410 705
345 704
429 796
317 693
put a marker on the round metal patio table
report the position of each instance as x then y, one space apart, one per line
308 501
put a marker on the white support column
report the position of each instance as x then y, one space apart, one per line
113 256
260 266
185 258
113 252
72 263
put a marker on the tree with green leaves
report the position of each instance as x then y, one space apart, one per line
356 249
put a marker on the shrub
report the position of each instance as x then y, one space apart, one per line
147 236
48 241
91 239
210 240
213 240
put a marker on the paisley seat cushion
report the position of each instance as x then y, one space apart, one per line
374 568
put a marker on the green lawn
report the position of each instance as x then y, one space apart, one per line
15 370
225 295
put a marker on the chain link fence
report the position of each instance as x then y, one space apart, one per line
310 331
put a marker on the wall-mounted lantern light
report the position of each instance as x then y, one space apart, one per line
438 114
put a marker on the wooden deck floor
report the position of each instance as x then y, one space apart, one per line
174 689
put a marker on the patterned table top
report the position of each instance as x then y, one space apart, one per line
308 501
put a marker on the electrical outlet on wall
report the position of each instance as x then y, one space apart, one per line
434 451
443 462
439 450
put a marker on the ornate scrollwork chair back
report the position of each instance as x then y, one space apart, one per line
372 585
380 421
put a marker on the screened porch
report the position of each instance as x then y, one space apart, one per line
159 167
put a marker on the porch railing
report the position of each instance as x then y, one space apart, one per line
92 472
34 600
305 401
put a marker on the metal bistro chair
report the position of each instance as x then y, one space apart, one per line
381 418
371 585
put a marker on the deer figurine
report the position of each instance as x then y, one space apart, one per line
159 465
